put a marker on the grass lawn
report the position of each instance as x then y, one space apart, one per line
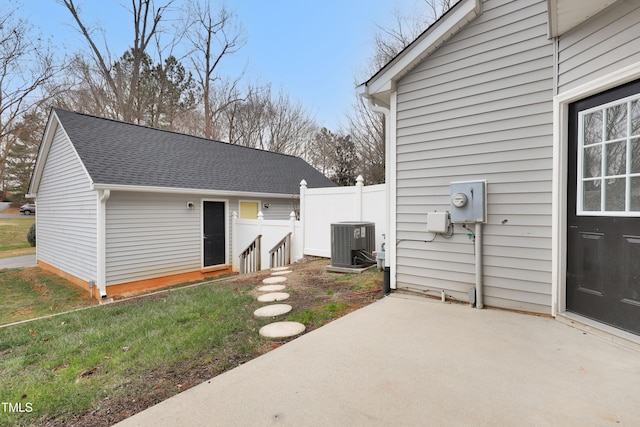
13 237
27 293
98 366
67 364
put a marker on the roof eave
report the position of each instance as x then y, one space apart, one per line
190 191
383 82
564 15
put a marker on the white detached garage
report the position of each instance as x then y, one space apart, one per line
542 100
129 207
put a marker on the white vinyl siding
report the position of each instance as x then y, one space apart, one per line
66 212
480 107
603 44
151 235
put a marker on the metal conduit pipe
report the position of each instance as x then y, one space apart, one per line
478 244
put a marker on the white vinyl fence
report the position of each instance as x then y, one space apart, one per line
321 207
311 235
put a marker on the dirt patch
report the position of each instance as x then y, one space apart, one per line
316 295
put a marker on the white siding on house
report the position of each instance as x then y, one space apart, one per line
151 235
279 209
66 217
480 107
602 45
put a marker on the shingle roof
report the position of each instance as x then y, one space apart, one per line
120 153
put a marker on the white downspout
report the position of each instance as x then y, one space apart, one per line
101 223
386 112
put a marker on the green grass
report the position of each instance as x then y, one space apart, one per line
30 292
13 236
318 316
67 364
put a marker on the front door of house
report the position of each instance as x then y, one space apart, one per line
214 233
603 208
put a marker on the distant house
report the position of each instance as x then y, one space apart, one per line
131 207
542 100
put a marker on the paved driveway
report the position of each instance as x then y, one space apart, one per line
404 361
18 262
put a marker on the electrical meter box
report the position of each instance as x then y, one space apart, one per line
469 202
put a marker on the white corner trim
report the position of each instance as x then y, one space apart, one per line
559 197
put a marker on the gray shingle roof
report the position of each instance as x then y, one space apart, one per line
126 154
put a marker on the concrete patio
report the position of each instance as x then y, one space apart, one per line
408 361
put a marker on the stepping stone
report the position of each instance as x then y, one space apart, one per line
281 273
272 280
271 288
272 310
273 297
282 329
280 268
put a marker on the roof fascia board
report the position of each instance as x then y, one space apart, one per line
552 15
193 191
427 42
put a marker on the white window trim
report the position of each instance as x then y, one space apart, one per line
628 175
560 142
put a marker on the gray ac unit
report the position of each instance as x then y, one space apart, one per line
351 243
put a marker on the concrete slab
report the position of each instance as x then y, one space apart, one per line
284 268
273 297
280 330
272 280
414 362
281 273
356 270
271 288
272 310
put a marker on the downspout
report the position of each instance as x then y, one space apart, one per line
101 225
389 247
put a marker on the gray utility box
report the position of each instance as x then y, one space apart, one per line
347 238
469 202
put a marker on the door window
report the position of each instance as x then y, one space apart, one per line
609 159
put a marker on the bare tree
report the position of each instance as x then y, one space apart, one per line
274 123
214 35
365 126
125 91
25 67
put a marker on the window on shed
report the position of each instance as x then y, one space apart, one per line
249 210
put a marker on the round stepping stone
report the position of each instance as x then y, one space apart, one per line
281 273
272 280
280 268
271 288
273 297
282 329
272 310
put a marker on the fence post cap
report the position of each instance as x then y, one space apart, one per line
360 180
303 183
292 215
234 215
260 215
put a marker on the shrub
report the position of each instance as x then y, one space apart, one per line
31 235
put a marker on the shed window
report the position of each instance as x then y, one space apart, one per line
249 210
609 159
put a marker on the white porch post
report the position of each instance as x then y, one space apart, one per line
234 242
303 191
358 207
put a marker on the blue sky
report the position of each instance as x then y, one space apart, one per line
311 49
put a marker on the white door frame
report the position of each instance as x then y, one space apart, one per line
560 143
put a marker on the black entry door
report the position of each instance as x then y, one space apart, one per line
214 233
603 208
